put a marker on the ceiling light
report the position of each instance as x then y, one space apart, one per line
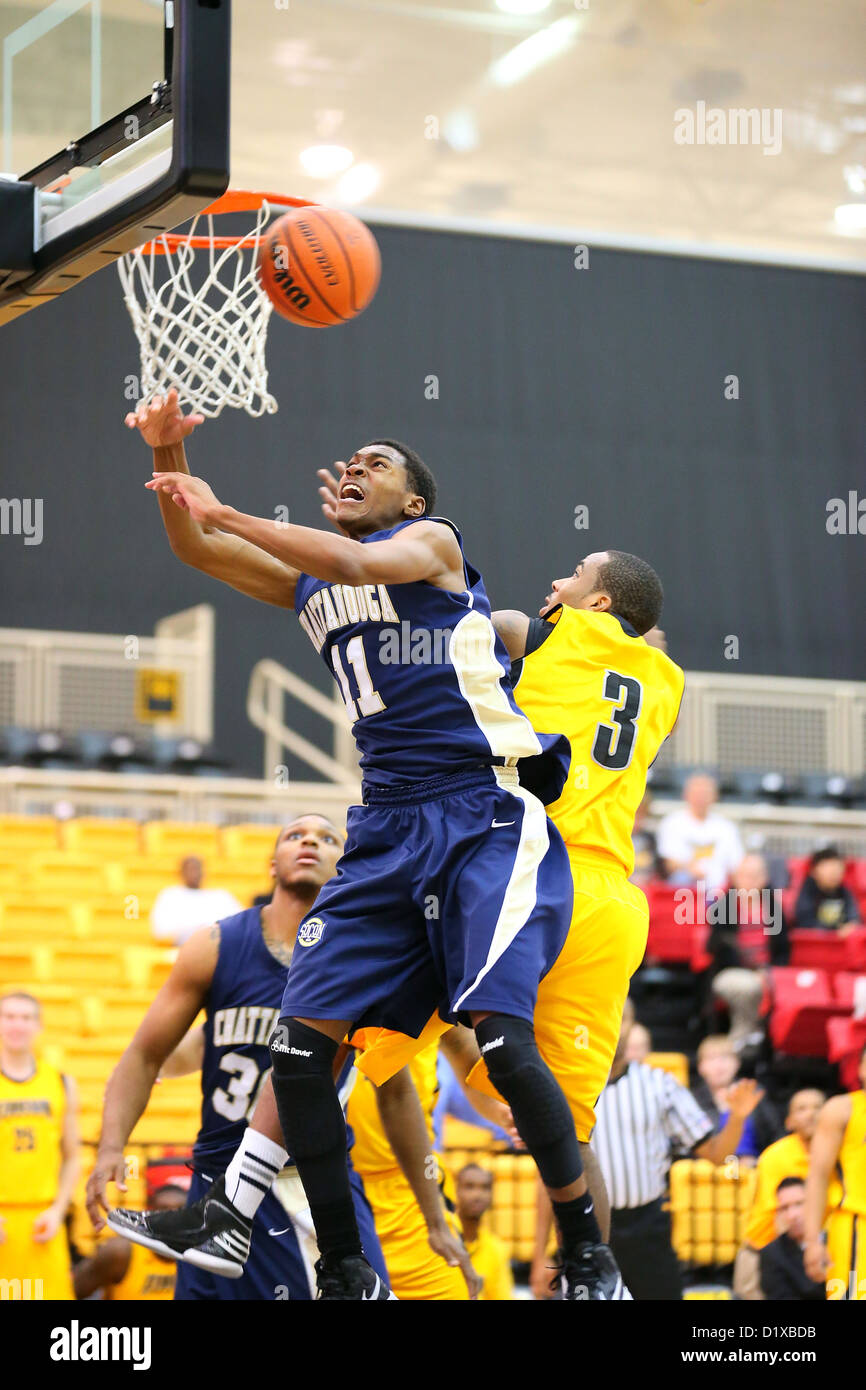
460 131
358 183
539 48
522 6
324 161
851 217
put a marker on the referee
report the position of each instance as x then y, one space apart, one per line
644 1119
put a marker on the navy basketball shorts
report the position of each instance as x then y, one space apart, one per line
456 896
282 1254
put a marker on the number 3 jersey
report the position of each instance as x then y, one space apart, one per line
242 1008
425 679
617 699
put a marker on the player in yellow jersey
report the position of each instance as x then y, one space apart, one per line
127 1272
38 1159
401 1214
584 667
839 1150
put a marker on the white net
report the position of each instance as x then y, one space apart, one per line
201 317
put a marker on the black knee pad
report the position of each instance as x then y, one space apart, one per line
540 1110
310 1114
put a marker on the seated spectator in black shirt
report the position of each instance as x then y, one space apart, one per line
823 900
748 933
783 1278
647 864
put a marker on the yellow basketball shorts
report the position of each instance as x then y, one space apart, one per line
30 1269
846 1246
578 1012
415 1272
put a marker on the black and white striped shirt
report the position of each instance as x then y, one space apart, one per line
642 1119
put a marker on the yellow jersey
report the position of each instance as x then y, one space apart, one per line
147 1277
616 699
490 1259
787 1158
371 1152
31 1133
851 1164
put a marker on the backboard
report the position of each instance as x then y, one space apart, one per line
114 127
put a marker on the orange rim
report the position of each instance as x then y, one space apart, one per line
235 200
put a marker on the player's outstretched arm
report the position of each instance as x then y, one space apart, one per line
163 426
169 1017
428 551
823 1156
512 626
186 1058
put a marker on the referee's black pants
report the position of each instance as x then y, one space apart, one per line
640 1238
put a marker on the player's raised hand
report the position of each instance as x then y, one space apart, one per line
161 422
329 492
191 494
454 1253
743 1096
110 1167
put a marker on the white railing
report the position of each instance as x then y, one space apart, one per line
87 680
269 684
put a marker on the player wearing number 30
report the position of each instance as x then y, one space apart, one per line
236 972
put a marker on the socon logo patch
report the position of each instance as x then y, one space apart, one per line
310 931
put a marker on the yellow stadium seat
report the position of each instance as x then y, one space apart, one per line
113 919
181 838
59 872
677 1063
113 839
114 1011
21 964
160 1129
253 844
27 834
38 916
147 967
245 880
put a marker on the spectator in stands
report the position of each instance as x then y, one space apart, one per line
645 1118
184 907
698 844
824 900
486 1251
718 1063
749 935
787 1158
639 1044
783 1277
647 865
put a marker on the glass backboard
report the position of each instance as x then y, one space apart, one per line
89 103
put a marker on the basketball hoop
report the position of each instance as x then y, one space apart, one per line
199 311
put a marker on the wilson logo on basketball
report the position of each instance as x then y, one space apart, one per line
283 281
310 931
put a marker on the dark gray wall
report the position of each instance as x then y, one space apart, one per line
557 387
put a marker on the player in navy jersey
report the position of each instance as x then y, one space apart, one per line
454 891
236 971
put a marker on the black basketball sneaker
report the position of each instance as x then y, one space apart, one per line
351 1278
590 1273
210 1233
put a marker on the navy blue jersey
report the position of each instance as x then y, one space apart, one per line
425 679
242 1009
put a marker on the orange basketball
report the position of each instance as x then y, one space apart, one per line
319 266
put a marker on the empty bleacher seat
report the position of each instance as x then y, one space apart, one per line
709 1210
803 1001
253 844
113 839
677 1063
846 1038
179 838
825 950
27 834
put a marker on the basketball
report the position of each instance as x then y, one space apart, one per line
319 266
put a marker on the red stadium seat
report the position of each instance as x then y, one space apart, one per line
814 949
797 866
846 1038
803 1003
669 939
856 877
